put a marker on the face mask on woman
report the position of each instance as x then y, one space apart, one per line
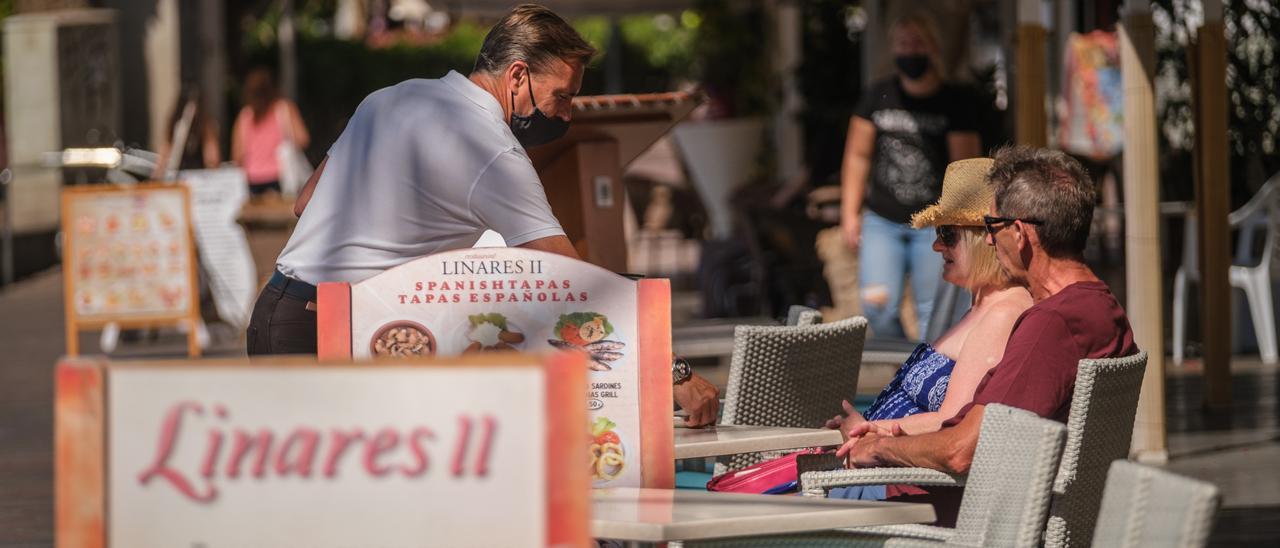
912 66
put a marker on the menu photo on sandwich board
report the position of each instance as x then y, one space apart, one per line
477 301
128 259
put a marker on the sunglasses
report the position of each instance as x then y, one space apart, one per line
994 224
948 235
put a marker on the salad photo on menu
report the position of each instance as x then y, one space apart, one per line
491 331
588 332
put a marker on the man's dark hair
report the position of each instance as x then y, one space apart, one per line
535 35
1047 186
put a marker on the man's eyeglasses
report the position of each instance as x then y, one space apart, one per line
994 224
948 235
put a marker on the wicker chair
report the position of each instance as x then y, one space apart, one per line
790 376
1099 430
1006 504
1144 506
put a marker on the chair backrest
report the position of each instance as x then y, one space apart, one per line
793 376
1261 212
1099 430
1144 506
799 314
1006 496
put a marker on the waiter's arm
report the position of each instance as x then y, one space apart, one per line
556 244
304 196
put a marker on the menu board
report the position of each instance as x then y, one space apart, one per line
474 451
482 300
217 196
128 258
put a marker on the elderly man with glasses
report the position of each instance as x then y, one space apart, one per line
1039 223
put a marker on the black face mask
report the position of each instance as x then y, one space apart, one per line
912 66
536 128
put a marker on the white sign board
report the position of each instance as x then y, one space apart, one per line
466 454
511 299
216 198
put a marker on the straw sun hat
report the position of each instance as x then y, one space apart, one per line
966 196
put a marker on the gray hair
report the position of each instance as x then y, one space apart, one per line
535 35
1047 186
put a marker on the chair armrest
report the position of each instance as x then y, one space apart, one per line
912 531
818 483
835 538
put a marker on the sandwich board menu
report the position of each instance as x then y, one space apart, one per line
128 259
217 196
474 301
475 451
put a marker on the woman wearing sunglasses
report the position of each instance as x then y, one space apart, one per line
940 378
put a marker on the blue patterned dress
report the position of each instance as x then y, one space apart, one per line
918 386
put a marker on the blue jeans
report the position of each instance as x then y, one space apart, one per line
889 252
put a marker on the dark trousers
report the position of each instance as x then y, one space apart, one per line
281 324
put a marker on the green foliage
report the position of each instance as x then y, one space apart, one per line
656 52
1252 29
718 43
663 40
730 56
596 31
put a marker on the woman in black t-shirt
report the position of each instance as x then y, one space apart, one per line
903 134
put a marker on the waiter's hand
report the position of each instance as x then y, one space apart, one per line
700 399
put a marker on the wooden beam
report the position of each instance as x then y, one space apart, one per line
1143 275
1031 123
1213 184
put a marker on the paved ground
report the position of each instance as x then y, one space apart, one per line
1236 449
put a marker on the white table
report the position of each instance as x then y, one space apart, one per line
660 515
694 443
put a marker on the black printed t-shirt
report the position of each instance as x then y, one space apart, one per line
910 152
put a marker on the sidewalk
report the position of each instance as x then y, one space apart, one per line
1236 449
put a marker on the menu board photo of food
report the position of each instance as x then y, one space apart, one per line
586 332
608 460
129 252
492 332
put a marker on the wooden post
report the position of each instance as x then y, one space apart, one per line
1213 184
79 437
1142 224
1031 121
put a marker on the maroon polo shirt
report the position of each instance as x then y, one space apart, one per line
1038 369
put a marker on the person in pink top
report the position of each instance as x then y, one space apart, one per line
264 123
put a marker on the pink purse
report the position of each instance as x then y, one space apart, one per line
770 477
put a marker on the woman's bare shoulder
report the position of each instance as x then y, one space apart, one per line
1008 306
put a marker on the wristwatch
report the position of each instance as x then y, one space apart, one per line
680 370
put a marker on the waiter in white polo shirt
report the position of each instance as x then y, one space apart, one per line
426 166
